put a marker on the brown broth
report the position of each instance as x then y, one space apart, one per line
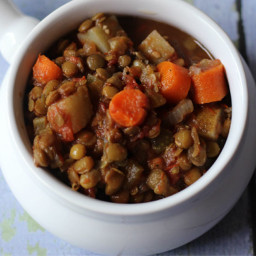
139 28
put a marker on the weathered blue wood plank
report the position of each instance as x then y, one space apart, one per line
249 25
222 12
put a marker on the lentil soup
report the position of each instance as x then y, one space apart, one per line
127 110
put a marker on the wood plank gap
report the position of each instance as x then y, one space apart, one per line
252 193
242 39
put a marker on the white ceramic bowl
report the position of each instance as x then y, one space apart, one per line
139 229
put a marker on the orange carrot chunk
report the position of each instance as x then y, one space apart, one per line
46 70
208 81
175 81
129 107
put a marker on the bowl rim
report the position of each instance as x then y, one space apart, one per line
63 192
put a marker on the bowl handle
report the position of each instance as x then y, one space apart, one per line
14 28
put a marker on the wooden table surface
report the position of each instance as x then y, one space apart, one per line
21 236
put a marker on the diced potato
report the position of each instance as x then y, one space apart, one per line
156 48
71 113
96 35
209 122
